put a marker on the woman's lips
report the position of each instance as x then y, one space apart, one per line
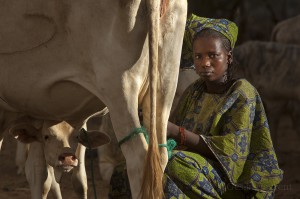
206 73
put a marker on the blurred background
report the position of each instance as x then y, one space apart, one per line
255 18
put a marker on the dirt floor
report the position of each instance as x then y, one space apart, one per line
13 186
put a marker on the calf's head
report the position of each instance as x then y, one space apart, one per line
61 141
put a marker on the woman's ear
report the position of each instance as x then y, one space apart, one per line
230 57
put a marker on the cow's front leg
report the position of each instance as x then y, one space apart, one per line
134 151
21 156
36 171
79 179
126 123
51 180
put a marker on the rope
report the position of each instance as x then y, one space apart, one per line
91 156
134 133
171 144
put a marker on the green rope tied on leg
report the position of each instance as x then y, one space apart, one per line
134 133
171 144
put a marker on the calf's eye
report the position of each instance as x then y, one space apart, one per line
46 137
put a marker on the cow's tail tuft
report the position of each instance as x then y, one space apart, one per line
152 179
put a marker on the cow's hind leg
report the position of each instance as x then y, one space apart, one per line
171 37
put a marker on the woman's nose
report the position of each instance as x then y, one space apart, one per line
204 62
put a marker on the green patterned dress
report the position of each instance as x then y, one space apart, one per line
235 128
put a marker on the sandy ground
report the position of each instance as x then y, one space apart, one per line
13 186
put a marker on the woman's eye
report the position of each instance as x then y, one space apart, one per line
197 56
213 55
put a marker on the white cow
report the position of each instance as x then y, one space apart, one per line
287 31
55 148
69 58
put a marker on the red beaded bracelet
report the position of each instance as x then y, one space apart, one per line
182 136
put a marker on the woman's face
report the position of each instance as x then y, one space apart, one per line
211 59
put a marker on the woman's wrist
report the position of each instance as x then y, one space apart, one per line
182 134
177 133
172 131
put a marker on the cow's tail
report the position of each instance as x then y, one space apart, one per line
152 178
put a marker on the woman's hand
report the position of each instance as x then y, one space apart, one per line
193 142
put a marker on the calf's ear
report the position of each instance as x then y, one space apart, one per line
25 133
93 139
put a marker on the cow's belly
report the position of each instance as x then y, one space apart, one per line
38 81
60 100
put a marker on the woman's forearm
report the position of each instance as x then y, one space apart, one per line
192 141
